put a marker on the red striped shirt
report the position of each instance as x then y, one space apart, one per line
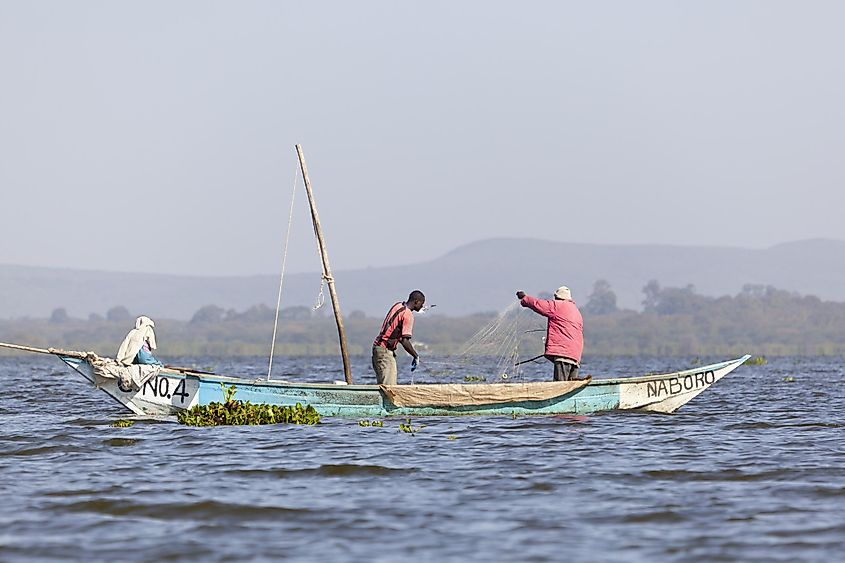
398 323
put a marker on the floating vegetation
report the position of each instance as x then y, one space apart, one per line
232 412
122 423
451 437
375 423
408 429
789 379
471 378
756 361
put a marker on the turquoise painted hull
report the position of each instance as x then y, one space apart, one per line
367 401
171 391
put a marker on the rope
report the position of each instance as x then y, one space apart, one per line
282 277
321 297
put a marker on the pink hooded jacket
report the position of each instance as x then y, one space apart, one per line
565 334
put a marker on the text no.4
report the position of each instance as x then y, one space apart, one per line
160 387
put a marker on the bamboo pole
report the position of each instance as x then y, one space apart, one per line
25 348
327 271
53 351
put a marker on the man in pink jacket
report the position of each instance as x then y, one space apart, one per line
565 333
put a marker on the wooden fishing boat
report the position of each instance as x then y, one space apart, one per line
147 390
173 390
170 390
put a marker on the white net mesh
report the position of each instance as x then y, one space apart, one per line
499 342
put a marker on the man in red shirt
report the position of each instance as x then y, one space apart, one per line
397 328
565 332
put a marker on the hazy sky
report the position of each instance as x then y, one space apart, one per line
158 136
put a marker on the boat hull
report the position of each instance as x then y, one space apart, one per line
171 391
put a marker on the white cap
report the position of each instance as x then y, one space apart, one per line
563 293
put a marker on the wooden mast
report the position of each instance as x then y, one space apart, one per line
327 271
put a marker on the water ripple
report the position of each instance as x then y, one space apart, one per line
202 510
330 470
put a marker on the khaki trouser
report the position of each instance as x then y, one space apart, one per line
384 364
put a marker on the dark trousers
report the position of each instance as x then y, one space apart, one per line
565 371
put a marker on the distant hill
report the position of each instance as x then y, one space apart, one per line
481 276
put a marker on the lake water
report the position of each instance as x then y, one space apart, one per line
753 469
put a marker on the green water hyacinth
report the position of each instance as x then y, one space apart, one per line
233 412
122 423
408 429
375 423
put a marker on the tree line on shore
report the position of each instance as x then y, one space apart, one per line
759 320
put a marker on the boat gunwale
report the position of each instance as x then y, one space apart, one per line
683 373
374 386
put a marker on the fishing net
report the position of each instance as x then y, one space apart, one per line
499 343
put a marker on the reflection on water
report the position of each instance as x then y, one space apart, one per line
750 470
